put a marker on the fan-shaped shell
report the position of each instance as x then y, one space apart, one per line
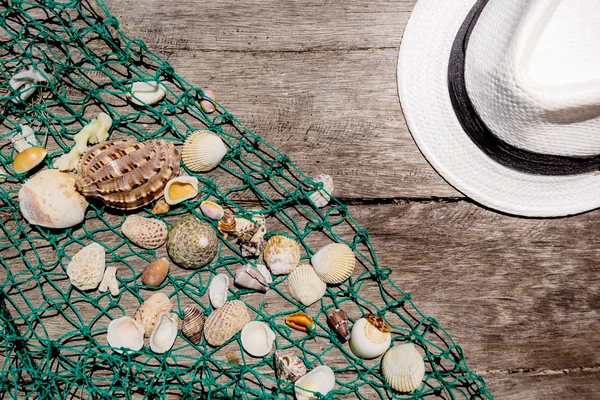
164 334
127 175
305 285
281 254
86 269
319 380
153 306
148 233
203 150
257 338
334 263
225 322
403 367
193 324
125 332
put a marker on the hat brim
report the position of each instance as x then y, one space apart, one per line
425 100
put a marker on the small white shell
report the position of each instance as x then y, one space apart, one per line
24 139
208 105
164 334
125 332
403 367
148 233
264 270
181 189
203 150
257 338
86 269
319 380
24 82
281 254
217 291
305 285
212 210
367 340
334 263
146 93
321 197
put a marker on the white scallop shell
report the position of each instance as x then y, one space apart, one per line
125 332
320 380
146 93
257 338
403 367
164 334
281 254
334 263
188 189
203 150
366 341
321 197
86 268
217 290
305 285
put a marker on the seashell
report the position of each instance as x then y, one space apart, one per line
322 196
193 324
151 308
203 150
227 225
281 254
164 333
256 244
370 337
161 207
86 269
148 233
25 83
339 321
127 175
24 139
217 291
49 199
334 263
211 210
251 278
29 159
180 189
223 323
207 105
319 380
125 332
403 367
257 338
300 321
244 229
192 243
143 93
305 286
155 273
110 282
265 272
288 366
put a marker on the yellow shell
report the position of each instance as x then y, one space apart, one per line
281 254
403 367
225 322
28 159
127 175
203 151
334 263
181 189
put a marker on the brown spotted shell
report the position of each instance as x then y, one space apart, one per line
127 175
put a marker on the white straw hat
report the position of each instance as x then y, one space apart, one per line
503 99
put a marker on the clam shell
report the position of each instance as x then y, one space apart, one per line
151 308
150 93
334 263
155 273
127 175
164 333
193 324
288 366
370 337
225 322
321 197
305 285
192 243
86 269
125 332
251 278
28 159
181 189
147 233
49 199
217 291
339 321
281 254
257 338
319 380
202 151
403 367
211 210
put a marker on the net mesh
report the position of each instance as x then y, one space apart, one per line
53 336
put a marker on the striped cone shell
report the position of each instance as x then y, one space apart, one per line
193 324
127 175
223 323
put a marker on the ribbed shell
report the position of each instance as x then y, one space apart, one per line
148 233
225 322
203 151
403 367
281 254
193 324
127 175
334 263
305 285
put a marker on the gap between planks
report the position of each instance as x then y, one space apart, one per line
537 372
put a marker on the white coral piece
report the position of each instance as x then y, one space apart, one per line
110 282
86 269
24 81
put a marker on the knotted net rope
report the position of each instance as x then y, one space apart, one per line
53 336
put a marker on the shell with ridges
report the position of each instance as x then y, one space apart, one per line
340 322
257 338
288 366
370 337
203 150
164 333
147 314
181 189
192 243
125 332
225 322
127 175
148 233
305 285
403 367
87 267
319 380
281 254
218 289
334 263
193 324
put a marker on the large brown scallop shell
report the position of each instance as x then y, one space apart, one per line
127 175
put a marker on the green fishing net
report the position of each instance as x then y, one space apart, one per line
53 336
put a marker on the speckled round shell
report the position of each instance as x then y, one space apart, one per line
305 285
192 243
334 263
127 175
403 367
281 254
225 322
148 233
202 151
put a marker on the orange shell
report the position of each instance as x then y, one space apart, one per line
300 321
29 159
